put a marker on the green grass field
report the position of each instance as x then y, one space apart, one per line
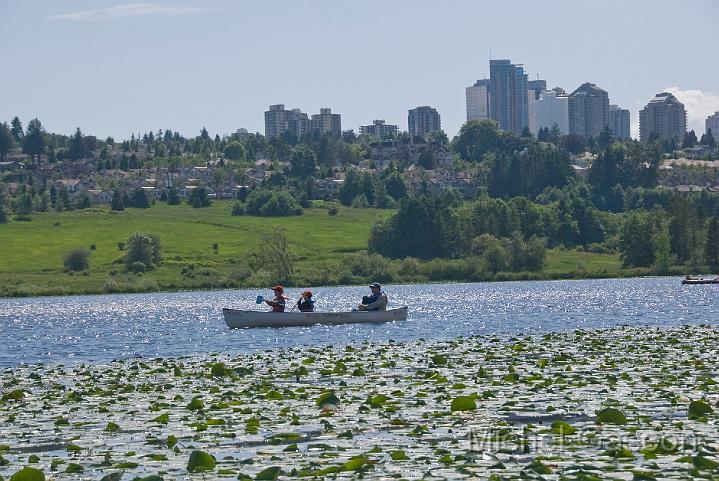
32 251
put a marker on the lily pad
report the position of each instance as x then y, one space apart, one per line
200 461
463 403
611 416
28 474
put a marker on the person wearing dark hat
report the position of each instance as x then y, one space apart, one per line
306 304
278 303
375 302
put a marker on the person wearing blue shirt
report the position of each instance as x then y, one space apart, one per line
377 301
306 304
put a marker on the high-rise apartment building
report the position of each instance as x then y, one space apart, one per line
423 120
588 110
379 129
619 122
508 95
478 100
663 117
327 123
278 121
712 123
550 109
534 91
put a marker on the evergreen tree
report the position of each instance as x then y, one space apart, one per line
711 247
199 198
708 139
77 146
117 204
7 140
16 130
173 197
605 138
303 162
690 140
139 199
33 143
4 204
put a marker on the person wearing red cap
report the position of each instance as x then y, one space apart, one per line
306 304
278 303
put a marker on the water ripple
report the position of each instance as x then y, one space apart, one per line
102 328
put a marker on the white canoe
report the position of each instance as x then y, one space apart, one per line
236 318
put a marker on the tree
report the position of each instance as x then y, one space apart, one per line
16 130
690 140
77 260
438 136
4 203
143 252
708 139
117 203
635 241
427 158
662 249
711 247
303 162
7 141
605 138
77 146
476 138
219 175
173 197
139 199
395 186
234 151
23 206
199 198
33 143
274 252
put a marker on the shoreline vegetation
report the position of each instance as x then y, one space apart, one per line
211 249
621 403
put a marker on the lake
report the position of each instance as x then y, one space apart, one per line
108 327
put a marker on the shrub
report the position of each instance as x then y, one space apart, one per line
370 267
332 211
360 202
77 260
238 208
144 249
272 203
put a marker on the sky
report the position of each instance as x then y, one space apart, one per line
113 68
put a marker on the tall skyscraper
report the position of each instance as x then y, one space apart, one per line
619 122
534 91
423 120
663 117
508 95
478 100
278 121
327 123
379 129
588 110
550 109
712 123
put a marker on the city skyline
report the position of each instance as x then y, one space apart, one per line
116 68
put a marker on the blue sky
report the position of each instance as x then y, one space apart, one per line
113 67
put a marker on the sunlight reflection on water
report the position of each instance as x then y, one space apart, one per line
102 328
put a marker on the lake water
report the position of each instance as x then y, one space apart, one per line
103 328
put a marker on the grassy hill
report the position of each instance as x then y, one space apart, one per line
32 251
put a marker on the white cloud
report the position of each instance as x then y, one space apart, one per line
699 106
127 10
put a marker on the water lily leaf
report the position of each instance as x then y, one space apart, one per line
200 461
701 462
377 400
162 418
439 360
152 477
699 408
196 404
112 428
269 474
33 459
116 476
219 370
398 455
171 441
328 398
28 474
538 467
355 464
611 416
274 395
619 452
14 395
563 428
74 468
463 403
643 476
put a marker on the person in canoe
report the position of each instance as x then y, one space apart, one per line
306 304
278 303
375 302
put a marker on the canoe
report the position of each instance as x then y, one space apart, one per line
236 318
700 281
